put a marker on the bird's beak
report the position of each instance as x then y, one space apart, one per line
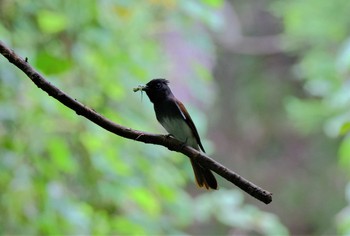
140 88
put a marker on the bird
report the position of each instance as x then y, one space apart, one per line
174 117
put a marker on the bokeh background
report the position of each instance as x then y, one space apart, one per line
266 82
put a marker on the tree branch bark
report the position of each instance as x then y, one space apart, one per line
163 140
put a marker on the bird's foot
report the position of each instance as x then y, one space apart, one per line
169 136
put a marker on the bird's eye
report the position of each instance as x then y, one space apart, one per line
158 85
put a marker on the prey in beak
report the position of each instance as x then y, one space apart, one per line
140 88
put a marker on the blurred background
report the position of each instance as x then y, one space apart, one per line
266 82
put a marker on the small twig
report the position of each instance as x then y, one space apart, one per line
163 140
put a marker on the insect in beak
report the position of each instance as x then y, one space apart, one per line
141 88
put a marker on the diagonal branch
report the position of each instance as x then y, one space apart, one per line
163 140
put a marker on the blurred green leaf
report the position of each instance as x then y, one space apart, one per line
146 200
124 226
61 155
213 3
307 116
51 22
52 64
344 152
345 128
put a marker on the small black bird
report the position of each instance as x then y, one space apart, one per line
173 116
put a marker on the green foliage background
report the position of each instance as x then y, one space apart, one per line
318 32
60 174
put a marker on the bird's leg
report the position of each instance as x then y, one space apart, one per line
184 144
169 136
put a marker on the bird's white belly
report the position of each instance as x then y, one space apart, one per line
180 130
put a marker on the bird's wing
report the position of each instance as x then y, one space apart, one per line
190 123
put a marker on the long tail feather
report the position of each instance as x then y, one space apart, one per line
204 177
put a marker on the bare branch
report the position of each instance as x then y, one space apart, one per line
163 140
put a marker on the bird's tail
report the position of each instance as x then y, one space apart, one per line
204 177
